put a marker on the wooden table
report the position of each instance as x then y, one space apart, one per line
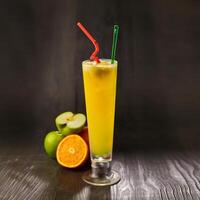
27 173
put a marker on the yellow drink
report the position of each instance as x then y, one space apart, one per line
100 91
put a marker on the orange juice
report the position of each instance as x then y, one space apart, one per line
100 92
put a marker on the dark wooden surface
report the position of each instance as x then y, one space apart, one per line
26 173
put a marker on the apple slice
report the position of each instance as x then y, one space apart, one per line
62 119
77 122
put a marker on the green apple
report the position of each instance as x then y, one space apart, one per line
51 142
66 131
77 122
62 119
68 122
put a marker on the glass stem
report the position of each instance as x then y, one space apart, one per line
101 169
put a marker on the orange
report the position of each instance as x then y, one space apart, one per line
72 151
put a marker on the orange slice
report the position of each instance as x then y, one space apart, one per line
72 151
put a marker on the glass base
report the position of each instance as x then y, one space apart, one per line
114 178
101 173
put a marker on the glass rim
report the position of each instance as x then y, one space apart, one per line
101 59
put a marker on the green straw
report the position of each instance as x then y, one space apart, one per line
114 43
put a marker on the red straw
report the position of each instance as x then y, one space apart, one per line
95 43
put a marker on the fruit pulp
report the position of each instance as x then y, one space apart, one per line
100 92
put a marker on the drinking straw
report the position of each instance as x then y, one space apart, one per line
114 43
95 43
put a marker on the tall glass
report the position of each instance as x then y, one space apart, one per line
100 92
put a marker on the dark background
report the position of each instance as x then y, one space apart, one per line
158 93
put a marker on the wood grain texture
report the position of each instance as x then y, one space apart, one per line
145 176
